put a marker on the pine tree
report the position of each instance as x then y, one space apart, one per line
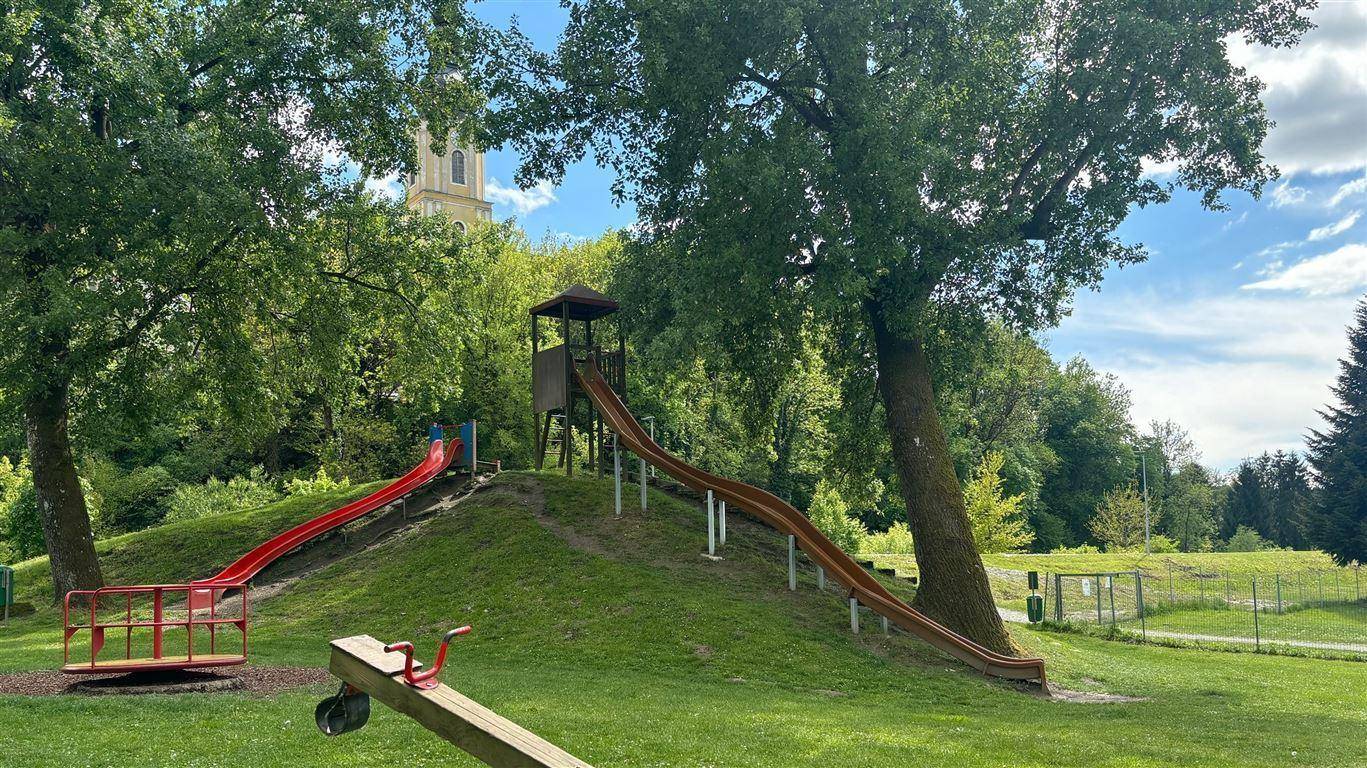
1338 518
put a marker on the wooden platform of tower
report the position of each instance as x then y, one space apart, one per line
558 406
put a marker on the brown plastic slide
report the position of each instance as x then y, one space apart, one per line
784 517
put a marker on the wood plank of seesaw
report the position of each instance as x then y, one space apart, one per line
490 737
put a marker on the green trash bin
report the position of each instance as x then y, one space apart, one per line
1034 608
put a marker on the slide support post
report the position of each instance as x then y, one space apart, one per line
616 475
642 478
711 525
820 577
792 562
854 615
721 524
885 624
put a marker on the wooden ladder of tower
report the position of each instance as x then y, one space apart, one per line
555 439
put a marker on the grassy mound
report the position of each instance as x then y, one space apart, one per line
616 640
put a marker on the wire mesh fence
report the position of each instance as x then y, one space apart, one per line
1322 610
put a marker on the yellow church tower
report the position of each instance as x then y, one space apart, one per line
451 184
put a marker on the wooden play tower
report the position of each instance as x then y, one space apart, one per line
558 405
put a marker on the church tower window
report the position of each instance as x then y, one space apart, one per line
457 167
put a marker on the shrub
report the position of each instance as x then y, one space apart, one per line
1081 549
130 500
1119 521
896 540
20 528
1160 544
319 483
998 525
1245 539
831 515
215 497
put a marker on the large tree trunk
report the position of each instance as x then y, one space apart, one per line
953 584
61 505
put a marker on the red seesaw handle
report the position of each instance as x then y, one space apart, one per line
421 679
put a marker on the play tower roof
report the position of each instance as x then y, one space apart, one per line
584 304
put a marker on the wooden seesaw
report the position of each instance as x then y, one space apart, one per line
368 667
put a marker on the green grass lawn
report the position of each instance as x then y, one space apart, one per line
1334 624
1190 573
616 640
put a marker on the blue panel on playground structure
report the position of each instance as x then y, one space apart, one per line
467 439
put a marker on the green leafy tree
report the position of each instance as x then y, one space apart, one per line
998 525
1338 520
831 515
1086 425
889 170
156 163
1190 510
1119 521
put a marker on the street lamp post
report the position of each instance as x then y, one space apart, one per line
1144 474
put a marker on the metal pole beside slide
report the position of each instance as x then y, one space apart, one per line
711 525
792 562
642 478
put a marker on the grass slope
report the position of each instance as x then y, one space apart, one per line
614 639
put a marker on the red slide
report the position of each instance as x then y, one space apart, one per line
784 517
195 607
250 564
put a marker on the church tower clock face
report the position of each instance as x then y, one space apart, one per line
450 183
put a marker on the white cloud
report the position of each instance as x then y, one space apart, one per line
523 201
385 187
1335 273
1337 228
1284 194
1244 372
1233 409
1158 169
1348 190
1316 92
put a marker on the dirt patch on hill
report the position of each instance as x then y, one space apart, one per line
253 679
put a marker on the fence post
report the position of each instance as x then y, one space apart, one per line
1172 595
1227 592
1357 581
1279 594
1139 602
1058 597
1257 634
1110 588
1098 598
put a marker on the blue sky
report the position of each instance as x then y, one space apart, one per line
1234 325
